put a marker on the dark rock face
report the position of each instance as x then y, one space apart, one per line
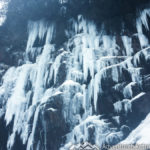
76 75
3 139
140 106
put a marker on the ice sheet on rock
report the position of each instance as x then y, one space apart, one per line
114 72
17 104
60 59
102 132
73 100
76 101
9 80
18 96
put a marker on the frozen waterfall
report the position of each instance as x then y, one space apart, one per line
80 72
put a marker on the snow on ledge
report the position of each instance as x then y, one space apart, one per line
141 135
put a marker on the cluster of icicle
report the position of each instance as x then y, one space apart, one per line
24 81
25 87
97 55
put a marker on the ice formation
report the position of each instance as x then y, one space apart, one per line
93 60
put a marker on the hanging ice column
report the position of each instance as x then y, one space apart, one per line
85 41
29 86
88 65
143 21
90 53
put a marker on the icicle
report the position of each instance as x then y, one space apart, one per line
31 137
118 106
144 17
19 106
124 105
142 38
127 42
41 70
49 36
70 90
84 45
36 30
128 93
